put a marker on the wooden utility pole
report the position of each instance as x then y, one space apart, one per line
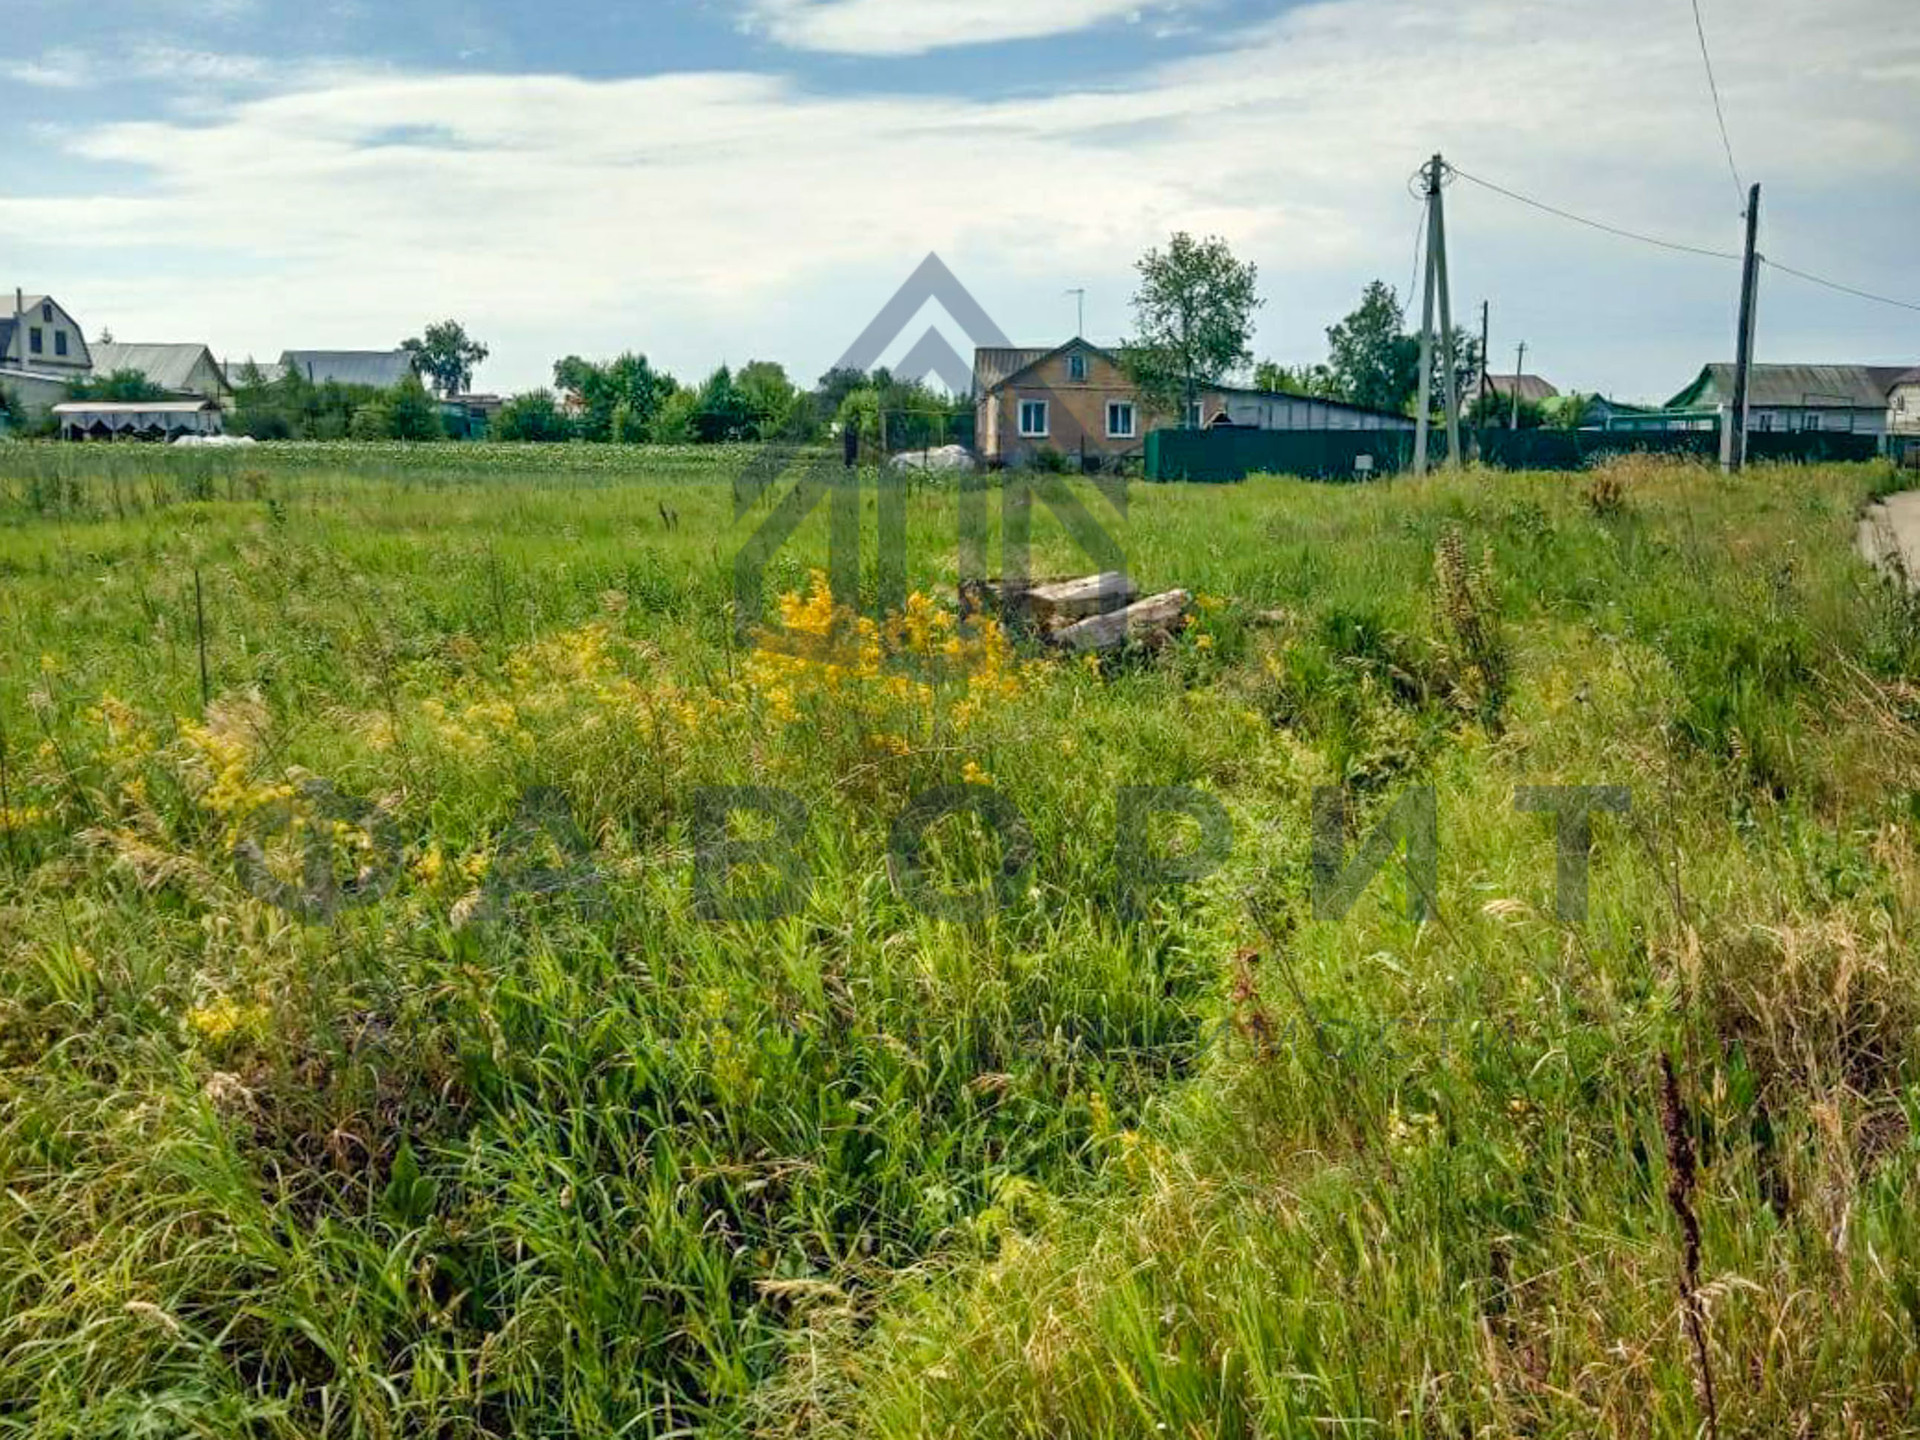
1519 369
1436 288
1736 450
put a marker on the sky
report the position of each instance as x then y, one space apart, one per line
718 181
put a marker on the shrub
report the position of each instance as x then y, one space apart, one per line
534 417
372 422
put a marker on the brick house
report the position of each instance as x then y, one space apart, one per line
1076 400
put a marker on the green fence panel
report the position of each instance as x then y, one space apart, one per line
1224 456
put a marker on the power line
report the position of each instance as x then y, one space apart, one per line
1595 224
1836 285
1682 248
1413 275
1719 113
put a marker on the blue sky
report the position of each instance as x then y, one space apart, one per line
725 180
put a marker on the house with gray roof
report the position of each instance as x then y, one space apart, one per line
1850 398
42 351
1903 404
252 372
377 369
1532 389
177 369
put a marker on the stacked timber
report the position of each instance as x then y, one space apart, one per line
1086 615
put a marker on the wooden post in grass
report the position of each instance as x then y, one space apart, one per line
200 634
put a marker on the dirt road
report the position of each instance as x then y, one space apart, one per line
1892 529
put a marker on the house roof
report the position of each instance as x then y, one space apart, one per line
997 365
133 407
1533 389
1809 387
170 367
28 304
1352 409
380 369
236 370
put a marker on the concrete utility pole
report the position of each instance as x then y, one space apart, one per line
1736 450
1519 369
1436 287
1486 339
1080 295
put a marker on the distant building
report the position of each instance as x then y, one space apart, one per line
470 417
241 373
1076 400
1853 398
158 420
1533 390
1903 404
178 369
42 351
377 369
37 335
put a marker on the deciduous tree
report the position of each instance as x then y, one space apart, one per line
447 356
1193 320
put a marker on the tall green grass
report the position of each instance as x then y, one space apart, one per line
531 1145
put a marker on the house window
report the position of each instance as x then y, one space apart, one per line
1076 367
37 340
1120 420
1033 419
1766 420
1196 415
46 311
59 342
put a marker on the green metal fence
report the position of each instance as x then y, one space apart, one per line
1224 456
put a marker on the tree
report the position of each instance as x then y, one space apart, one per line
627 388
720 413
772 401
1311 380
1193 320
447 356
534 417
1370 357
372 422
413 414
674 425
124 386
832 390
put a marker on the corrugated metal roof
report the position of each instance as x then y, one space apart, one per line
381 369
170 367
1811 387
236 371
1533 388
993 365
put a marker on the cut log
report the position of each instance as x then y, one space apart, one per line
1059 604
1149 623
1002 599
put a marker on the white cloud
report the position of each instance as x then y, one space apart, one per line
716 216
913 27
53 70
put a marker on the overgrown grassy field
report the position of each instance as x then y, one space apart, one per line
386 1049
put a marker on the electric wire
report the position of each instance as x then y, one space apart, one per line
1719 112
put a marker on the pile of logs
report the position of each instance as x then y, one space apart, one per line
1085 616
